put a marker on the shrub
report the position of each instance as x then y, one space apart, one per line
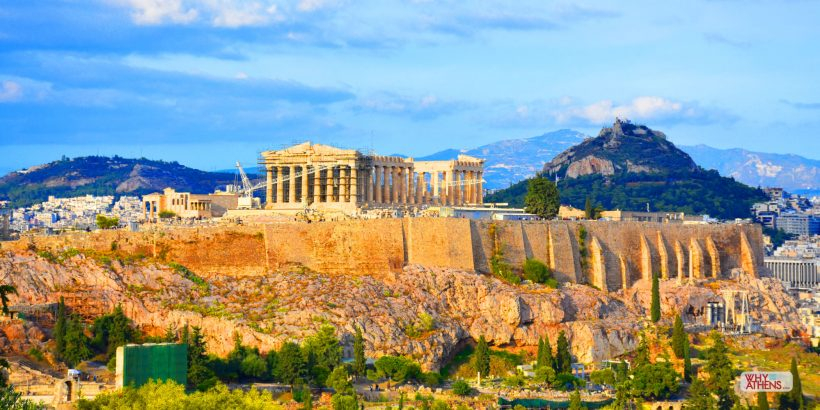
167 214
104 222
461 388
536 271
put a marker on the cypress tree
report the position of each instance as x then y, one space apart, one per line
482 357
678 337
589 213
549 360
762 401
60 327
539 357
563 357
687 361
700 398
721 373
359 361
793 400
655 310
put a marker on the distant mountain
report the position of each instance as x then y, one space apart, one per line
105 176
628 166
510 161
791 172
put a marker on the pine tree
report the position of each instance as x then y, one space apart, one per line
482 357
539 357
678 337
542 198
700 398
721 373
762 401
563 357
170 334
359 361
655 310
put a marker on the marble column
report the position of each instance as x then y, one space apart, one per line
480 187
368 179
304 197
269 188
402 185
446 192
343 181
420 188
317 184
292 184
329 195
280 186
386 178
436 189
457 188
411 186
378 188
354 185
394 184
469 188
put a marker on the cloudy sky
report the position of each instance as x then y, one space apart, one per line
208 82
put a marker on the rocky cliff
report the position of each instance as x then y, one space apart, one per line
290 304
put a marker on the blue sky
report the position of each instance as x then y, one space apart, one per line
208 82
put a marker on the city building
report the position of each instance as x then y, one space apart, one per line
188 205
798 224
795 273
321 176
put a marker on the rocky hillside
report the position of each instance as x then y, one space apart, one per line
104 176
630 167
791 172
267 309
510 161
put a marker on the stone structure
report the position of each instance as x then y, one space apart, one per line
188 205
321 176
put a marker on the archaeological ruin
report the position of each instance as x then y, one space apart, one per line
321 176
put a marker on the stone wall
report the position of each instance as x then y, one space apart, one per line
619 254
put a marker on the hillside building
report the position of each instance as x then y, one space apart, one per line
188 205
321 176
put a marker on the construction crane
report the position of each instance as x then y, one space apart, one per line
246 199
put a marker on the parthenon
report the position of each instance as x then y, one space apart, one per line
323 176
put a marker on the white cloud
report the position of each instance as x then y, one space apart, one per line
641 109
10 91
426 107
314 5
151 12
220 13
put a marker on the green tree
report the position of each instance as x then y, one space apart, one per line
721 372
199 375
793 400
545 374
12 400
113 330
575 401
589 211
655 309
4 367
539 356
655 381
537 272
603 376
641 353
563 357
104 222
339 380
170 334
291 366
482 357
6 290
762 401
325 347
700 397
548 359
254 366
344 402
77 345
542 198
167 214
359 361
272 358
461 388
678 336
397 368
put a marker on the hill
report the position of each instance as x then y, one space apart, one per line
510 161
628 166
99 175
791 172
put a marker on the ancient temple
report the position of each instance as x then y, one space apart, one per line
323 176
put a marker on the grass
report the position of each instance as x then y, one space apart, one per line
779 359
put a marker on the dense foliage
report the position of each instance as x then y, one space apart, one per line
655 307
698 192
721 372
169 395
542 198
482 357
97 175
538 272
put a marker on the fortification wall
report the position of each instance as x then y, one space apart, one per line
616 254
